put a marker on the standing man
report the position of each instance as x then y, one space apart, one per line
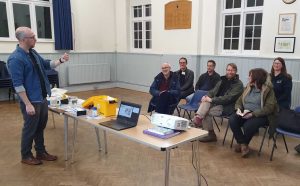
207 80
165 90
219 101
186 79
27 69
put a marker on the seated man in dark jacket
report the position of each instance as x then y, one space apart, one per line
186 79
207 80
219 101
165 90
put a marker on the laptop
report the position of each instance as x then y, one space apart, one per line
128 116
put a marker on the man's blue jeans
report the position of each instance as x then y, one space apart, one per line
33 129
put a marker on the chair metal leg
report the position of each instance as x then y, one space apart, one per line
53 121
189 115
98 138
178 111
218 127
225 134
262 141
287 150
274 144
222 120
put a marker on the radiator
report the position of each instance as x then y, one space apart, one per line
296 94
88 73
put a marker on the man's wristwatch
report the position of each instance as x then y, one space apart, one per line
61 60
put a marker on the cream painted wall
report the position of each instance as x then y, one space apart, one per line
208 28
177 41
94 25
272 9
122 26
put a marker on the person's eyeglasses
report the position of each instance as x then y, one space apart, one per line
32 37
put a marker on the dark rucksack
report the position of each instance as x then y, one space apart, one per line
288 120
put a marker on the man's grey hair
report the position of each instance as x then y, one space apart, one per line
21 33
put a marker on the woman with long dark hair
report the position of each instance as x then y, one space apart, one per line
282 83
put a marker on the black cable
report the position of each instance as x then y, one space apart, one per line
146 117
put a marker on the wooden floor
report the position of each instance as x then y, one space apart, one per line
130 164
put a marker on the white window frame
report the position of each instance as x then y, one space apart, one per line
142 19
32 4
242 11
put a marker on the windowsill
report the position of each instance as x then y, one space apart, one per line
38 40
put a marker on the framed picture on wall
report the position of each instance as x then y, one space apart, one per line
286 24
284 44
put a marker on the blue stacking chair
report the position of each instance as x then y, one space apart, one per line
53 77
194 104
284 132
5 80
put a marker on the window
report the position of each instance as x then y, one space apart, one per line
242 25
3 20
35 14
141 26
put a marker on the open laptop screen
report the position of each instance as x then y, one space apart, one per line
129 112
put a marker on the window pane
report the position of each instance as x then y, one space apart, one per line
140 34
249 19
135 35
148 35
258 19
134 12
248 43
148 25
250 3
140 11
140 44
140 25
235 32
229 4
136 44
227 33
43 22
257 31
135 26
256 44
259 2
236 20
3 20
148 10
235 44
227 44
137 11
148 43
228 20
237 3
21 15
248 31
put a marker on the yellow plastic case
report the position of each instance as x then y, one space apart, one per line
106 103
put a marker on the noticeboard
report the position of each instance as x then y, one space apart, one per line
178 15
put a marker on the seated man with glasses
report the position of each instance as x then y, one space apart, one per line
165 90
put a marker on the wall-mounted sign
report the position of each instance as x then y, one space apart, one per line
178 15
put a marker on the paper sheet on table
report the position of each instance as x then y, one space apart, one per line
58 92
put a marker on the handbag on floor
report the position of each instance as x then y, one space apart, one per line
289 120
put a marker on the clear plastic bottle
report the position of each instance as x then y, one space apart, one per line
94 112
